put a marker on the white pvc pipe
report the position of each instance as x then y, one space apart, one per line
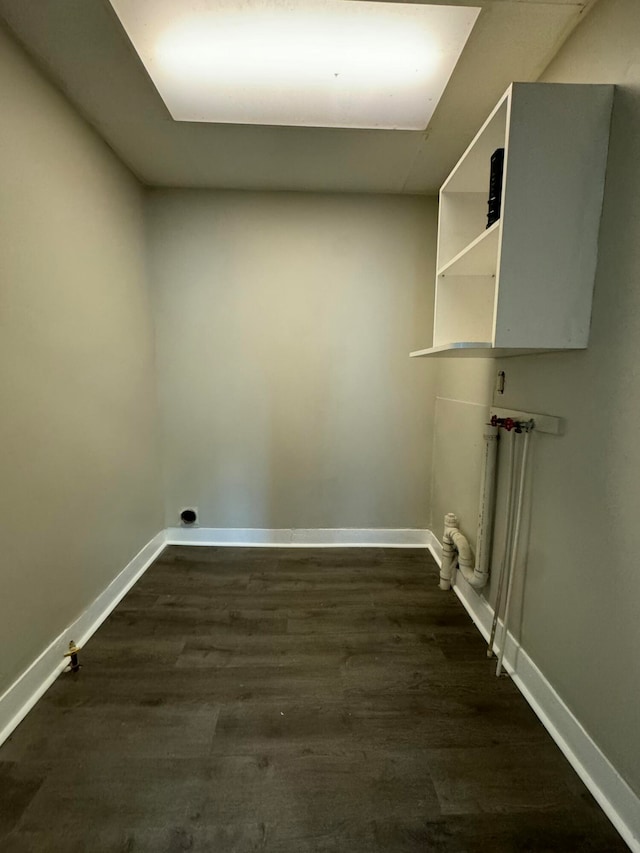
456 551
514 547
449 553
506 544
487 509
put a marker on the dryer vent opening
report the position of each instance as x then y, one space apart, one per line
189 517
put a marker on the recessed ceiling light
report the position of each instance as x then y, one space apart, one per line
318 63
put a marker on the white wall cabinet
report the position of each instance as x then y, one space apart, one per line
525 284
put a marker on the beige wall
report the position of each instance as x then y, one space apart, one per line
284 323
463 395
579 604
79 469
580 621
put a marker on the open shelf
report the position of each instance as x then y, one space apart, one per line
480 257
525 284
471 174
464 309
464 195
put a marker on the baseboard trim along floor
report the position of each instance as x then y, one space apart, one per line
612 793
356 537
22 695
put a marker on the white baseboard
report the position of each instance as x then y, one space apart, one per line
614 796
434 547
300 537
22 695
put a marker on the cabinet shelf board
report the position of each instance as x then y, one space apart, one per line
477 349
480 257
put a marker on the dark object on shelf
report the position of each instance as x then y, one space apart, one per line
495 186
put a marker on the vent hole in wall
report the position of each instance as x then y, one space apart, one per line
188 517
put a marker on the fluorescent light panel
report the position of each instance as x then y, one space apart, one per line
316 63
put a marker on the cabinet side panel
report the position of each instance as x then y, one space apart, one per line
554 182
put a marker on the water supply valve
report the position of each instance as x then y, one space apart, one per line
72 654
504 423
510 424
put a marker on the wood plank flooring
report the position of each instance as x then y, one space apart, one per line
289 701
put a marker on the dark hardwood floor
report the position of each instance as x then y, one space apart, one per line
290 701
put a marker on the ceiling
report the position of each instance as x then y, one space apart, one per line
82 47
